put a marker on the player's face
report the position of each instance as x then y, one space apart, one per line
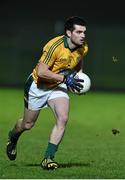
77 36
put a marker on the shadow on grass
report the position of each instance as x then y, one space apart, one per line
67 165
32 165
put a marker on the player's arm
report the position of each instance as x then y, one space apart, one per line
44 72
79 66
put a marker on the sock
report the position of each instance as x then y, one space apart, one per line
14 136
51 150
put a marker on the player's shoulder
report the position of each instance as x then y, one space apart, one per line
85 45
84 48
55 41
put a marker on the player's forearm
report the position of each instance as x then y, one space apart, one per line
79 66
44 72
50 76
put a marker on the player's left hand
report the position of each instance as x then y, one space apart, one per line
73 82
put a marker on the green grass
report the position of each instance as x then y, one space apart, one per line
89 150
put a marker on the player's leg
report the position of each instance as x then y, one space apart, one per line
60 107
26 123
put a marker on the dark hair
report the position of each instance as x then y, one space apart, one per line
73 20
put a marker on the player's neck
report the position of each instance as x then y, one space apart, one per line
71 44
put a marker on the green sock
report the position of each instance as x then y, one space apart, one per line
51 150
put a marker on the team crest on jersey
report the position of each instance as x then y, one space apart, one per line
63 60
66 61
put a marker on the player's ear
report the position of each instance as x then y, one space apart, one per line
68 33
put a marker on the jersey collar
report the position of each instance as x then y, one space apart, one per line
65 42
67 46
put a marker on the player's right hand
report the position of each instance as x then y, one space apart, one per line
73 82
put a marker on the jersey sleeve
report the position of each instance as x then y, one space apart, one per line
49 55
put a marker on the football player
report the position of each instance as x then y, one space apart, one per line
47 85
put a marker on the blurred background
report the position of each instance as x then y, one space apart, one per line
25 27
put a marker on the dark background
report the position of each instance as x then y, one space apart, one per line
25 26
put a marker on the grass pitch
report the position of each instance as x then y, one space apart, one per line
89 149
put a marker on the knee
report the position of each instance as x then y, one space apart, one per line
63 119
28 125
